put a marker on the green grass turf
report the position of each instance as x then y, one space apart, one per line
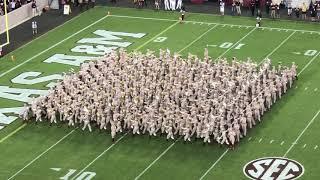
130 156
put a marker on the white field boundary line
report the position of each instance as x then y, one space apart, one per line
198 38
53 46
44 152
163 153
106 150
222 24
235 44
154 161
302 132
214 164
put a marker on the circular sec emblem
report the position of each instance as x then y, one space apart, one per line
275 168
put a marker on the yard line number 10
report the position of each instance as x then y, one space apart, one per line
227 45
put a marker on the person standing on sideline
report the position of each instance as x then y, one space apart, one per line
233 8
34 28
304 11
179 5
278 11
166 5
268 3
222 8
289 8
34 8
252 7
273 11
318 12
157 4
238 4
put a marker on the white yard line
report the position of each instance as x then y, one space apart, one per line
13 132
235 44
53 46
302 132
153 162
214 164
44 152
284 41
307 65
153 38
88 165
222 24
198 38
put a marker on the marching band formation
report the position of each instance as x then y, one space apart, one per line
142 93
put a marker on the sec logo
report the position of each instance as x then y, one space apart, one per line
273 168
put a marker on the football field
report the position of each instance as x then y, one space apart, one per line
37 152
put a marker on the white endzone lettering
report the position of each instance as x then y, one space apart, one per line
24 78
69 60
9 119
22 95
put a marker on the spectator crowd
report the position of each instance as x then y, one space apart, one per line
273 8
12 5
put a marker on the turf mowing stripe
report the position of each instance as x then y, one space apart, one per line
198 38
150 165
53 46
12 133
99 156
41 154
171 26
198 22
214 164
302 132
307 65
284 41
235 44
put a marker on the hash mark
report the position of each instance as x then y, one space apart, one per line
249 138
315 147
282 143
271 141
260 140
305 88
316 89
304 146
